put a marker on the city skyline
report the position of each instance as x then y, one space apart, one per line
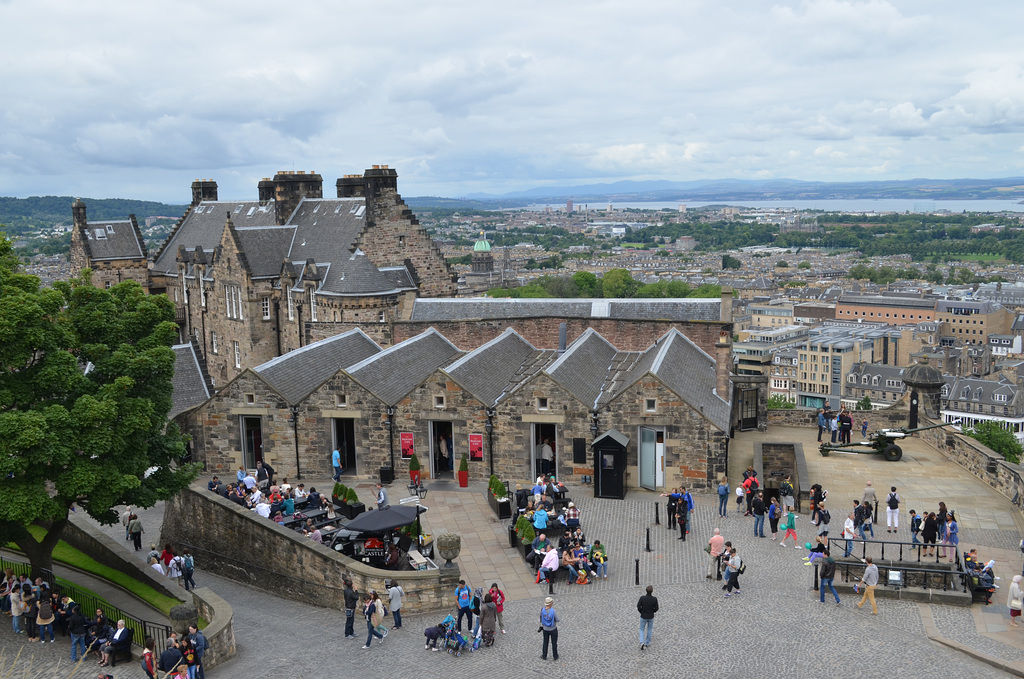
461 98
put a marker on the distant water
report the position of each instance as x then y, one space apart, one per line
837 205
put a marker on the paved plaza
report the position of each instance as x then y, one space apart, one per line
775 628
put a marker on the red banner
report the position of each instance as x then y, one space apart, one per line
476 447
407 444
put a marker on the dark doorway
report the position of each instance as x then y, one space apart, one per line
748 409
544 433
442 450
345 444
252 440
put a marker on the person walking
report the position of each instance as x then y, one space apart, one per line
373 611
735 563
683 508
717 544
849 533
486 619
647 606
382 496
952 535
336 464
790 527
865 521
864 429
826 575
915 527
786 492
892 511
868 581
1014 600
549 626
774 514
757 506
940 520
198 640
135 531
869 497
351 601
822 423
930 532
77 625
395 595
723 497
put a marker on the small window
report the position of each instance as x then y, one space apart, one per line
250 399
291 305
238 355
266 308
651 405
542 403
439 401
213 342
312 304
383 317
341 400
107 285
401 241
110 228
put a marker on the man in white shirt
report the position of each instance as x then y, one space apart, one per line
849 532
263 509
300 491
547 454
249 481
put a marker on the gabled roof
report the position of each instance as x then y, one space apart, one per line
204 224
189 388
112 239
263 247
584 366
394 372
688 371
495 369
298 373
614 435
325 231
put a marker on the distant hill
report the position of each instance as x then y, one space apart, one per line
19 215
1009 188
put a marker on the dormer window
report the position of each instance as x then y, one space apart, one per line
110 228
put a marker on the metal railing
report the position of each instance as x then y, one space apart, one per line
950 576
898 551
90 603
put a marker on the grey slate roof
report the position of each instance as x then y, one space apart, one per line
113 240
979 391
494 369
204 225
441 309
296 374
614 435
399 369
264 248
399 276
356 275
189 388
687 370
584 366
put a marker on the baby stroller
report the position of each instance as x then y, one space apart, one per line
455 642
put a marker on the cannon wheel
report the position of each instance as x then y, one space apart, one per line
892 452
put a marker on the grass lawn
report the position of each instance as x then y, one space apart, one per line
66 554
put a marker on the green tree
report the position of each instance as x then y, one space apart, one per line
780 402
730 262
804 265
586 283
998 439
85 384
863 404
782 264
618 283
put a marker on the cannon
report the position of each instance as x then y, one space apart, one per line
883 441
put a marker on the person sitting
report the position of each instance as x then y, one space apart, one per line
288 506
572 516
279 518
300 492
213 483
569 563
115 643
237 496
539 547
537 490
983 571
540 519
548 565
313 498
530 509
263 508
565 542
99 633
578 536
545 503
598 560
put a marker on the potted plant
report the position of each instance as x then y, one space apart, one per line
526 538
414 469
463 471
340 494
352 507
497 497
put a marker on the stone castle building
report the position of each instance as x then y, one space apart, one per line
112 249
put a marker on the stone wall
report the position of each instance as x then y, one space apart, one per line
82 534
235 543
542 332
808 417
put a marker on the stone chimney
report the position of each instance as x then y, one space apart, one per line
78 214
726 310
203 189
290 188
351 186
380 178
723 365
266 190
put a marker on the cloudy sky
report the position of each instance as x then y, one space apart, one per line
137 99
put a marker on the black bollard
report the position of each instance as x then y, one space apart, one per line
816 585
657 517
551 587
648 539
638 571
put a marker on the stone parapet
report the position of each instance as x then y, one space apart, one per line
235 543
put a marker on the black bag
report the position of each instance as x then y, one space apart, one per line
892 501
825 516
743 568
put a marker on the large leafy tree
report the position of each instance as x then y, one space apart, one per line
85 388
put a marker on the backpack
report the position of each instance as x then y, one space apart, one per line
786 489
892 501
45 610
190 564
824 516
754 485
723 489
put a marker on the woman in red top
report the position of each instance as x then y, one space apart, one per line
498 597
148 663
166 556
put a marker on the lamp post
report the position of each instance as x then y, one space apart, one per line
489 426
295 431
389 425
594 422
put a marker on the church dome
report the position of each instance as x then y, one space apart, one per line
923 376
482 246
